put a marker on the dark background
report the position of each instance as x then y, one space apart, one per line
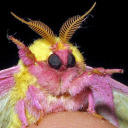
102 40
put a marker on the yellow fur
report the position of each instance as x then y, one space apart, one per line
41 48
78 56
23 79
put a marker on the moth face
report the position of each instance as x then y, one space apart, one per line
57 66
59 54
61 60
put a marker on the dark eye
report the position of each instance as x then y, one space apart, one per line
71 60
54 61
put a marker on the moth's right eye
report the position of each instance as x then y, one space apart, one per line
54 61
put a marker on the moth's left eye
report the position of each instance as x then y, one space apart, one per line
54 61
71 60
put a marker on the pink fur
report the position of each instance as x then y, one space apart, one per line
79 83
103 97
57 106
8 72
75 84
91 103
77 102
66 89
20 109
93 82
26 56
49 79
63 55
32 92
66 79
24 53
6 85
7 79
117 85
37 97
88 85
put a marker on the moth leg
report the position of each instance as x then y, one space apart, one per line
38 101
102 71
91 103
34 99
20 108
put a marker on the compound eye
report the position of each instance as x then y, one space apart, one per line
54 61
71 60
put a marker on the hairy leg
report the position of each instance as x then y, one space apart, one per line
20 107
91 103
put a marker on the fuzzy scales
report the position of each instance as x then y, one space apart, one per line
52 77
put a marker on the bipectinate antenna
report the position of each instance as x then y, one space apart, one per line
71 25
40 28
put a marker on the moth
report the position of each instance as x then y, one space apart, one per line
52 76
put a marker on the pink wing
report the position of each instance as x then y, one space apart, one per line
102 87
118 86
7 79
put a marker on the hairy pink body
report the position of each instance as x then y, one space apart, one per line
68 89
64 89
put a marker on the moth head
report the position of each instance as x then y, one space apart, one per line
57 51
59 56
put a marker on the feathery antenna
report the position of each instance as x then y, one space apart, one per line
71 25
40 28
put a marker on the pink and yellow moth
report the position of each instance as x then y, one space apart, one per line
51 76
